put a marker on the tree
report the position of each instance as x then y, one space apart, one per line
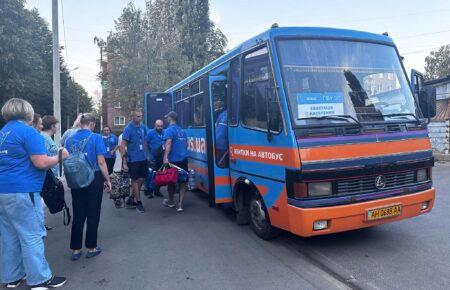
201 41
127 72
156 49
437 64
26 62
167 62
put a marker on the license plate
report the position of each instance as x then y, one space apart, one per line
384 212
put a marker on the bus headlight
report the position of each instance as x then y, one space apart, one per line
422 175
320 189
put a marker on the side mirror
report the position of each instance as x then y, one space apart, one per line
427 102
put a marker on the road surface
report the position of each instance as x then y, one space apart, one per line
203 248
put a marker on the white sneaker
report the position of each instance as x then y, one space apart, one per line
168 203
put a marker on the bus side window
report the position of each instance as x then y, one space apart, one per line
258 93
234 90
197 112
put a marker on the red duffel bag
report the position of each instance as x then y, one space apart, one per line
166 176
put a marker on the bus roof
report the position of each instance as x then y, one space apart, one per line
312 32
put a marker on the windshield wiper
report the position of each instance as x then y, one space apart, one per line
335 117
403 115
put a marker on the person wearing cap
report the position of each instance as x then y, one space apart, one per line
134 157
175 153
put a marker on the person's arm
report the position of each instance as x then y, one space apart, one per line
168 146
45 162
104 169
116 141
123 154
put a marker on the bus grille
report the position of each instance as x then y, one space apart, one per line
367 184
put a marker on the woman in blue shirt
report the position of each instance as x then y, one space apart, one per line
23 163
87 201
111 144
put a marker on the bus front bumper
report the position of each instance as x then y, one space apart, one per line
354 216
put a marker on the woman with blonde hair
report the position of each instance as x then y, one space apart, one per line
23 165
69 132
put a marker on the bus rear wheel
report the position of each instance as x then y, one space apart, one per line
259 219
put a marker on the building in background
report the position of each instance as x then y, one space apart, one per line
439 127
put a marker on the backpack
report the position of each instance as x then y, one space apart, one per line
79 173
53 194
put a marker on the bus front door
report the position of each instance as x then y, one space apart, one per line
217 140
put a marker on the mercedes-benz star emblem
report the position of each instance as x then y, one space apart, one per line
380 182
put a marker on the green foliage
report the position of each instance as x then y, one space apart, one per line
437 64
26 63
155 49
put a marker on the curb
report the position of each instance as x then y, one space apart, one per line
441 157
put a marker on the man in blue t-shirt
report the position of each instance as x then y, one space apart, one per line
156 151
134 157
175 153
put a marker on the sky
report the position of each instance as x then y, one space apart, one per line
416 26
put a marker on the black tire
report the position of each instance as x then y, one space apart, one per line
242 210
259 219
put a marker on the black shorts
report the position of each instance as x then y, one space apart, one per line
182 164
138 169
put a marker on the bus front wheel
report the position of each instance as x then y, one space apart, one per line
259 219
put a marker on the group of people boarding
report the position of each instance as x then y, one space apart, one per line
28 152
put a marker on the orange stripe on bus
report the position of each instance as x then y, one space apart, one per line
266 154
262 189
222 180
363 150
278 212
224 200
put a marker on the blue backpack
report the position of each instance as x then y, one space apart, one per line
79 173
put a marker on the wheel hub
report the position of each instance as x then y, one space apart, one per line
258 214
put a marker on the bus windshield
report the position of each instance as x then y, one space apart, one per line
336 81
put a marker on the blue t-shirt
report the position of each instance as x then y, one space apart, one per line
111 142
179 143
155 143
18 142
135 137
52 149
94 146
222 131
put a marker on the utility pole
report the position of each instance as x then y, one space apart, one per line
56 76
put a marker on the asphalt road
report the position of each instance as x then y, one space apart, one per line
203 248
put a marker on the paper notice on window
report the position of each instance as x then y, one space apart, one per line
320 104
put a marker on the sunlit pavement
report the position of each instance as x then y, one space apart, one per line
203 248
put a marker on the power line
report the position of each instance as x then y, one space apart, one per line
422 34
419 51
393 16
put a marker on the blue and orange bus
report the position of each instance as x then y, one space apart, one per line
307 130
